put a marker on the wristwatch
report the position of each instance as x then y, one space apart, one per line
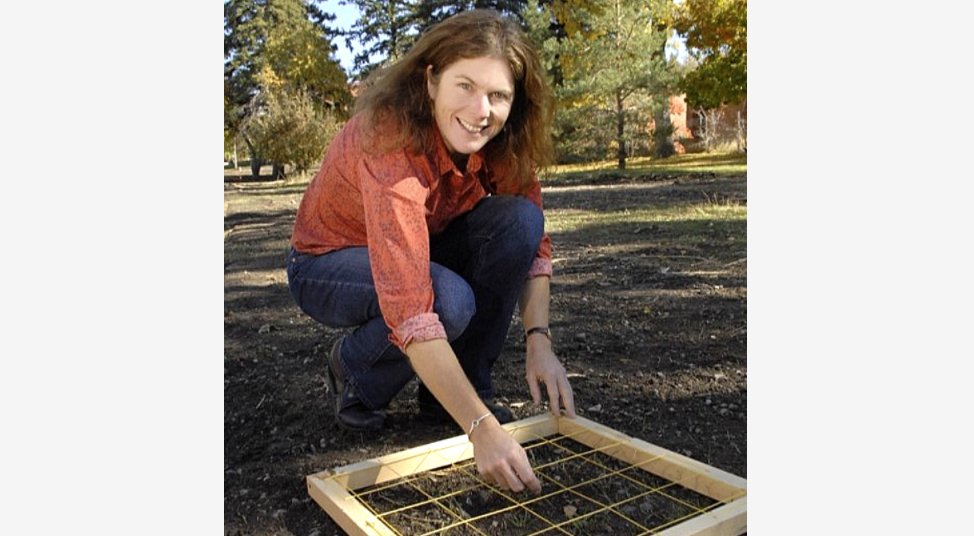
543 330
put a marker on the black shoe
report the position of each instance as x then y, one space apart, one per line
435 412
350 412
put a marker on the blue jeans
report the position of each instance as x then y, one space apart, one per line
478 265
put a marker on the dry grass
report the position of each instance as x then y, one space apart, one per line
721 163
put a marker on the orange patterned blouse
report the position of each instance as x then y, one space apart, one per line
392 203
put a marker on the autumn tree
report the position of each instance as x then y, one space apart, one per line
716 39
302 59
287 125
286 38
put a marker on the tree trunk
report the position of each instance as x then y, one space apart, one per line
277 171
703 127
663 136
714 118
741 129
254 160
620 130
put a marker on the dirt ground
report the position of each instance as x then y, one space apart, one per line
651 325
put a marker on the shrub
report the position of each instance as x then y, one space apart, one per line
289 129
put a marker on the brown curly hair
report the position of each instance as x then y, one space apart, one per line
395 98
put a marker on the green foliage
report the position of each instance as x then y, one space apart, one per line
387 30
285 43
228 141
538 25
573 16
583 134
716 34
611 71
430 12
384 29
302 57
287 127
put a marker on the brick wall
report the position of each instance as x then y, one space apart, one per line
686 122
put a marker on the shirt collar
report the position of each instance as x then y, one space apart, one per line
445 164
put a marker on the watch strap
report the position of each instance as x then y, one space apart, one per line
540 329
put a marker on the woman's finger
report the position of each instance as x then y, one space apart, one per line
553 397
567 396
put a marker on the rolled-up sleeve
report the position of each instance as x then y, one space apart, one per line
395 218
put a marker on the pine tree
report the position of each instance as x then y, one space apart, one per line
384 29
387 30
613 73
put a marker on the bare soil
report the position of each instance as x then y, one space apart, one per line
650 321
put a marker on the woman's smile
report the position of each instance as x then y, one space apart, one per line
471 101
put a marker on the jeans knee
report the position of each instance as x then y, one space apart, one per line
518 218
527 222
454 303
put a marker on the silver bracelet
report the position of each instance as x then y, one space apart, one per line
476 422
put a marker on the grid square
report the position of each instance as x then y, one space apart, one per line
610 489
656 511
601 523
599 456
449 481
669 488
650 482
568 472
561 507
517 521
424 518
386 498
482 501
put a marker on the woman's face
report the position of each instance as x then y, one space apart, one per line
471 101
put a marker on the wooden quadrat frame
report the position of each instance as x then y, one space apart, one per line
337 491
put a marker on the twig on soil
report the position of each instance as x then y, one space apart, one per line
735 332
261 402
696 257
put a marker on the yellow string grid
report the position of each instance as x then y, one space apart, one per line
595 481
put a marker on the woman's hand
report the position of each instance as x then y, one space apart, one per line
501 460
543 366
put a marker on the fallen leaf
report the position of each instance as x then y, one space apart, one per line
570 511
